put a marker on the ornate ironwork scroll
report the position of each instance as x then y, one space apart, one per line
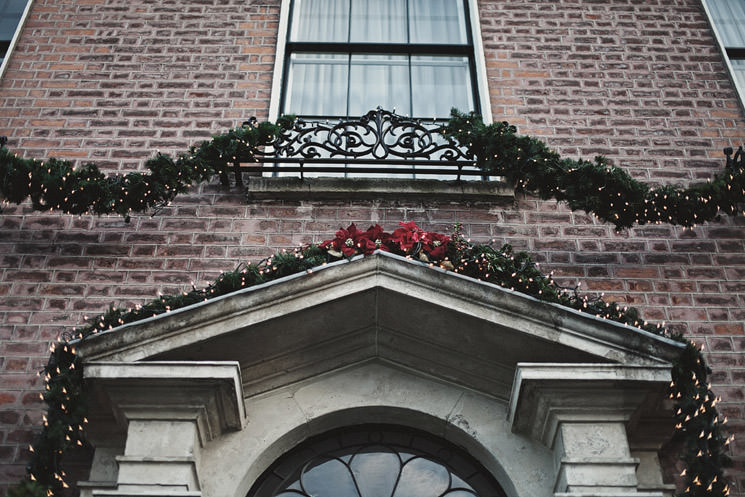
380 139
737 161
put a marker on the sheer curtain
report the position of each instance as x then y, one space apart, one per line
729 18
738 68
318 84
379 80
437 21
320 20
415 85
382 21
441 83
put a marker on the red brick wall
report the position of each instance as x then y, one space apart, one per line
112 80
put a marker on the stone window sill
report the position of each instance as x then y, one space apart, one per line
288 188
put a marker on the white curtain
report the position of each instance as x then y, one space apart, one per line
320 20
382 21
379 80
317 84
738 71
437 21
441 83
351 84
729 18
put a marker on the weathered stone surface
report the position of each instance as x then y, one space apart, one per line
582 412
407 357
169 411
380 306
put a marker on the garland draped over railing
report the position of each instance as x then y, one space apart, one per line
596 187
698 422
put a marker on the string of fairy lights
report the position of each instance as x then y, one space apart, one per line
54 185
596 186
698 423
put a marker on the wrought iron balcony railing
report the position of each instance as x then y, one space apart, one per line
378 143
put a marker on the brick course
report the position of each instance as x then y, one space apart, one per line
113 80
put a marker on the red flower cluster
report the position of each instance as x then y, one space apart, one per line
408 239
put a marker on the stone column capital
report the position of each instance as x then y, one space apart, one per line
208 393
547 394
169 411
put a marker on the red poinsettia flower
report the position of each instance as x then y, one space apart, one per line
407 239
408 235
346 243
437 245
377 238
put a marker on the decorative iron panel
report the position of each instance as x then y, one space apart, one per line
379 138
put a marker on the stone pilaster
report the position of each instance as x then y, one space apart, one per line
582 412
168 412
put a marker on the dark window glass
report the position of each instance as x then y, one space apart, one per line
10 15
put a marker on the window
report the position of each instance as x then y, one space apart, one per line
341 59
376 461
11 13
346 57
728 18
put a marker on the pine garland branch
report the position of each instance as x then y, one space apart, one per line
55 185
596 186
699 424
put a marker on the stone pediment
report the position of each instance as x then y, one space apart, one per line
380 307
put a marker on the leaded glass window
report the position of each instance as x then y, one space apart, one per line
376 461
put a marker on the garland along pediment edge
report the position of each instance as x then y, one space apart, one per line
379 307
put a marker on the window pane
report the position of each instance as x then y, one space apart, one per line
437 21
438 84
382 21
386 467
320 20
379 80
317 84
738 71
10 14
420 477
729 18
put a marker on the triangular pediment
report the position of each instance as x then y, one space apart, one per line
380 307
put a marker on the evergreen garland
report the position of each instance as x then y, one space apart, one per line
593 186
699 423
56 185
596 186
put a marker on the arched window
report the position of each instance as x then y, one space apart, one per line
376 461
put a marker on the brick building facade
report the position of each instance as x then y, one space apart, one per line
643 83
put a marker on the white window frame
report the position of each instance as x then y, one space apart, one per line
478 48
15 38
723 50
